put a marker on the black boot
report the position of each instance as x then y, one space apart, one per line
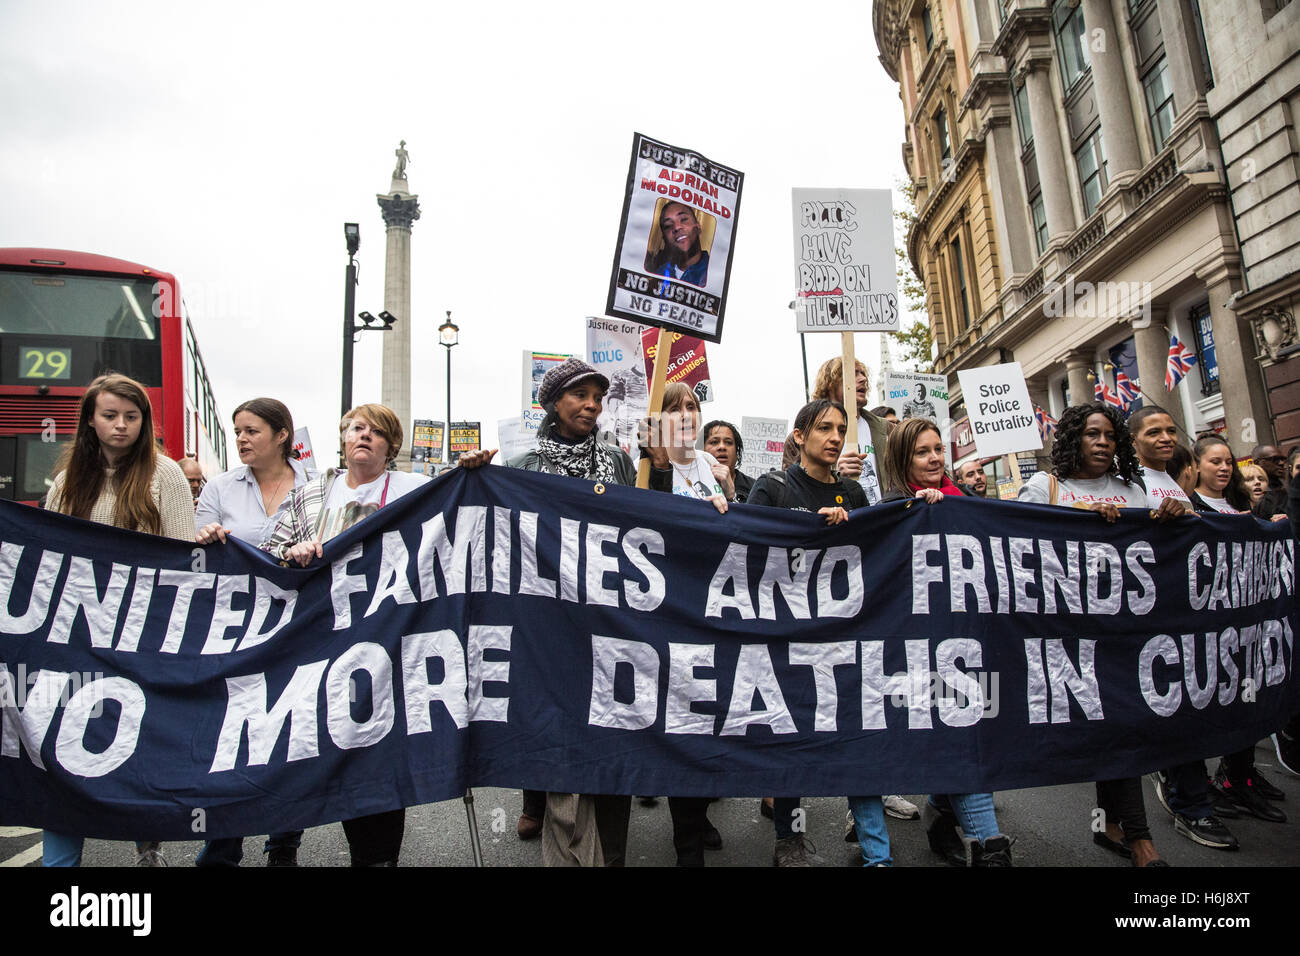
941 831
995 851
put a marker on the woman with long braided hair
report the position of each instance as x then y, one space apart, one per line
1095 467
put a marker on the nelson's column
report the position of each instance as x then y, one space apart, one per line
400 210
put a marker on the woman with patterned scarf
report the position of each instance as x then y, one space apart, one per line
578 829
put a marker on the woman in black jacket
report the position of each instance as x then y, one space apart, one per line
811 484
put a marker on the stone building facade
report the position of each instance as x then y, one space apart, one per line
1103 222
1254 53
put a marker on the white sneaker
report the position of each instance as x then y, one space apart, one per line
900 809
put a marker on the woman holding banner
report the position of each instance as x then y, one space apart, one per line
1219 485
111 473
246 502
1239 787
695 474
860 463
1094 467
578 829
1183 790
327 506
812 485
914 467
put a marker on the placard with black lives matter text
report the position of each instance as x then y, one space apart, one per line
672 264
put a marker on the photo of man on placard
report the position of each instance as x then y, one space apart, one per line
678 247
920 406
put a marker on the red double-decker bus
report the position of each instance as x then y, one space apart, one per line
67 317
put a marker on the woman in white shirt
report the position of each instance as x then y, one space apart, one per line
245 502
1238 784
1218 482
1094 467
1183 790
696 473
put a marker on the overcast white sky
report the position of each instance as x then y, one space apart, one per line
228 144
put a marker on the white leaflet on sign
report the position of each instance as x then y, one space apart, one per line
614 350
917 395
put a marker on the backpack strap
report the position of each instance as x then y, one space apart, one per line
1053 490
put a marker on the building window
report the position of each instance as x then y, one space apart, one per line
945 146
1271 8
959 282
1091 163
1071 45
1040 223
1203 330
1020 100
1033 188
1160 102
928 28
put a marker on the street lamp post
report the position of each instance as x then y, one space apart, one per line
448 335
352 232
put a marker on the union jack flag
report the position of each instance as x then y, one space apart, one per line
1046 423
1102 393
1127 390
1181 360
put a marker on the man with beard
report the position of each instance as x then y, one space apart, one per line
971 478
681 258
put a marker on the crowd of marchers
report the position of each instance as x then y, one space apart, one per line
113 473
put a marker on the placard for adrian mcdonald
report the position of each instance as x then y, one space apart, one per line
675 240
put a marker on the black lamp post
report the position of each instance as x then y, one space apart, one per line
352 233
449 336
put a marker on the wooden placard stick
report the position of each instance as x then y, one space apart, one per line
1013 467
664 346
849 383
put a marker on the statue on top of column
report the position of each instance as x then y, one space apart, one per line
402 158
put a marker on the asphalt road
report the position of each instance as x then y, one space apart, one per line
1050 827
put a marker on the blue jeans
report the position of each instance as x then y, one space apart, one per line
974 812
873 835
60 849
229 851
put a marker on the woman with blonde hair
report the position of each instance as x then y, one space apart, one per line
326 506
112 473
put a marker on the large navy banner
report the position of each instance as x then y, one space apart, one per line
513 629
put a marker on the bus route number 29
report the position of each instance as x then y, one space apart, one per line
46 363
